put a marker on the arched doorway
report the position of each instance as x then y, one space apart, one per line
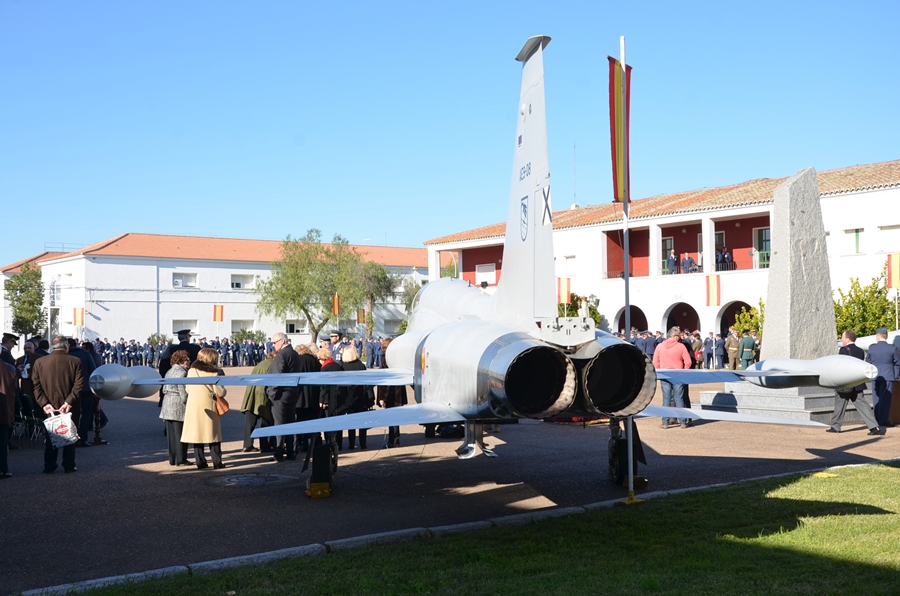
728 314
638 319
684 316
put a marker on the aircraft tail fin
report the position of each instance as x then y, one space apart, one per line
527 288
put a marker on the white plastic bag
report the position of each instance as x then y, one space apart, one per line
61 430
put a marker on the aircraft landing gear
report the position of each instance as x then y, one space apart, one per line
473 441
618 452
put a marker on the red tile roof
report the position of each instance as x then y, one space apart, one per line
753 192
17 266
230 249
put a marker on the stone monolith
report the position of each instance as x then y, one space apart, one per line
799 311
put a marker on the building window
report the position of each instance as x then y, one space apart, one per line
762 245
719 238
392 326
179 324
243 282
571 267
184 280
889 238
296 326
854 241
668 243
241 325
486 273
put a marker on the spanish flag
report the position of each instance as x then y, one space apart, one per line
713 291
218 313
335 305
563 290
893 263
78 317
619 119
360 316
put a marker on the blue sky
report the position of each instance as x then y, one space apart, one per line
393 122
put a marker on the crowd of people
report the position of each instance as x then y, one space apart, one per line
688 349
736 351
192 418
246 352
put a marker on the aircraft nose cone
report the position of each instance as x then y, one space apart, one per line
870 371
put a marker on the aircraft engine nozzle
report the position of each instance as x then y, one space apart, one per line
114 381
536 380
620 380
832 372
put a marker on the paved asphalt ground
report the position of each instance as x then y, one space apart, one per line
126 510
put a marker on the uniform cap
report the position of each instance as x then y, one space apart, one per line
882 330
9 336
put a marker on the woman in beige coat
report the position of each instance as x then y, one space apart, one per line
201 420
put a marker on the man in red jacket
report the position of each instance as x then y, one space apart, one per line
672 354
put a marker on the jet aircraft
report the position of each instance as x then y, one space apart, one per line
471 356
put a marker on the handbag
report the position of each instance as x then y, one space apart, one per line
60 429
221 405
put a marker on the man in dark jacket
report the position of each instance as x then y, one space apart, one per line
308 402
842 396
283 400
58 385
88 399
887 360
165 358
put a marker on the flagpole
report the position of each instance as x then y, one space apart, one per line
629 431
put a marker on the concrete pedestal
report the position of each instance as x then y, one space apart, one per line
797 403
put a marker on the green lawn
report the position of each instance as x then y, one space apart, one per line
814 534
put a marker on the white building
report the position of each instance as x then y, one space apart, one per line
860 212
135 285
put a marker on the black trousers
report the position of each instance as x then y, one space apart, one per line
881 399
283 412
177 449
215 451
86 424
51 454
250 420
4 438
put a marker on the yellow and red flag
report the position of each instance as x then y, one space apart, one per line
893 278
335 305
218 313
78 317
563 290
713 291
360 316
619 119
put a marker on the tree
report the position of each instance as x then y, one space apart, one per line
24 292
864 308
751 319
240 336
572 310
450 269
306 278
377 284
410 289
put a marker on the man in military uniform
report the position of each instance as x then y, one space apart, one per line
709 345
8 343
745 350
732 347
886 359
147 349
120 352
165 359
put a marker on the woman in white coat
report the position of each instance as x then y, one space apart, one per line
201 420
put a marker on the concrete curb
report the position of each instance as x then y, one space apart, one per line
407 535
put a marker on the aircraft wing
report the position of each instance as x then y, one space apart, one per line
428 413
693 376
667 412
374 376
